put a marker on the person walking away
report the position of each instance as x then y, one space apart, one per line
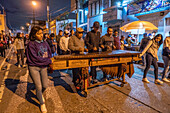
143 44
38 55
26 40
92 41
58 37
151 57
54 44
76 45
3 45
19 49
116 40
64 43
166 58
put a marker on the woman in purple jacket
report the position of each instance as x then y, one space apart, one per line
38 55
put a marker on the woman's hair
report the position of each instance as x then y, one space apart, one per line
44 36
33 32
18 35
159 35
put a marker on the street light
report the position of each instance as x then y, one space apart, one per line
34 4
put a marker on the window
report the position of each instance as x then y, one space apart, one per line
95 8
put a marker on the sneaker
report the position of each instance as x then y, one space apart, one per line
165 80
157 81
145 80
19 66
43 108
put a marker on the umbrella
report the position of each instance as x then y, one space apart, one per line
138 25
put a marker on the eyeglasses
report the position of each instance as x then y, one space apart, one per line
67 34
80 32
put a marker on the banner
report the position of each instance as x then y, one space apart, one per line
143 6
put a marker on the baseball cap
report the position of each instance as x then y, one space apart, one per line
79 29
96 24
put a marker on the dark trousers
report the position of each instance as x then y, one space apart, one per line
76 74
93 72
58 50
20 54
65 52
2 52
151 60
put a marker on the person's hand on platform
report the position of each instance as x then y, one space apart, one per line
108 47
114 47
94 49
140 55
102 46
86 50
81 49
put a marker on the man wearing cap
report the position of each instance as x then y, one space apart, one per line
92 41
76 45
64 43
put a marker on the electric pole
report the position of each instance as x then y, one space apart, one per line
48 16
77 13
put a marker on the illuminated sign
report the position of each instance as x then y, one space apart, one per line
147 7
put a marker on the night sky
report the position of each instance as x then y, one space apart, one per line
20 12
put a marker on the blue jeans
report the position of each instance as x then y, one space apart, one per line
166 65
40 79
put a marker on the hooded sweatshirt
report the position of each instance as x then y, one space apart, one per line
38 54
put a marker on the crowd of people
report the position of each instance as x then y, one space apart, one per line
39 48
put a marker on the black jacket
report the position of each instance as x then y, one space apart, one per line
92 40
144 43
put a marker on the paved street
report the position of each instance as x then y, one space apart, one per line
17 94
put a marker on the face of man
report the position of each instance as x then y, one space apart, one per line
66 35
60 33
110 31
116 33
79 34
95 29
72 32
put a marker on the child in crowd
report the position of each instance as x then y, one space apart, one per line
38 55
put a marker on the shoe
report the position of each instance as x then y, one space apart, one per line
104 79
165 80
145 80
43 108
94 81
157 81
19 66
24 66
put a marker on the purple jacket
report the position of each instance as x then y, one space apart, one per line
38 54
117 42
